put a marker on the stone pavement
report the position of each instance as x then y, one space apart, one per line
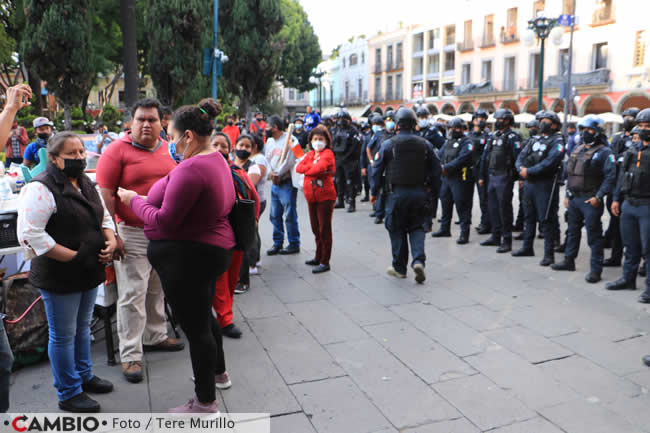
488 343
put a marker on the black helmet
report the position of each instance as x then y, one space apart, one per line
405 118
632 111
552 116
326 118
480 113
389 115
532 124
539 114
441 127
422 111
376 119
343 114
643 116
504 113
635 130
365 125
456 122
297 119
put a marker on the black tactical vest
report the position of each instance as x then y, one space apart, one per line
408 166
340 140
500 157
540 149
452 150
584 178
636 180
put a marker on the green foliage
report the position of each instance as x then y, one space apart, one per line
175 29
110 117
301 52
7 47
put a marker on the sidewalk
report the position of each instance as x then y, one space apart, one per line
488 343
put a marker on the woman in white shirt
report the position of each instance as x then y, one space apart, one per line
248 156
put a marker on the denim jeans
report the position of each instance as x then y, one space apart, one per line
283 211
68 317
635 230
404 220
6 361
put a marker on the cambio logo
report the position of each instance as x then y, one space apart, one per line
55 424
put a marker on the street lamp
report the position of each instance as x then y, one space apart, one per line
542 27
317 78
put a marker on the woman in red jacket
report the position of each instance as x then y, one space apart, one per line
319 168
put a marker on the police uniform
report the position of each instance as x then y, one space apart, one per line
542 158
347 151
591 173
410 165
364 163
521 214
457 186
379 208
479 140
497 170
433 136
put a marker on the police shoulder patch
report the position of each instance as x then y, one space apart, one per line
470 146
560 148
611 157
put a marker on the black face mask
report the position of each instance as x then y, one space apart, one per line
44 136
259 120
482 124
269 133
546 127
230 122
628 124
588 137
74 168
534 131
499 125
225 155
242 154
644 134
456 134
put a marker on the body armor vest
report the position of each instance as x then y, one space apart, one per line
636 180
408 166
584 178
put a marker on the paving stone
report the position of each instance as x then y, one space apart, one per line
491 298
581 416
454 335
589 379
549 323
259 302
361 308
427 359
527 344
325 322
295 353
482 402
527 382
385 292
480 318
294 423
444 297
535 425
293 290
338 406
460 425
401 396
641 378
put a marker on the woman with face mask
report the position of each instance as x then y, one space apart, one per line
188 250
62 221
319 168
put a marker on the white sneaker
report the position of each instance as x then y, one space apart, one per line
258 263
392 272
253 270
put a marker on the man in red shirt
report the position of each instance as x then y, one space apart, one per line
135 162
258 126
16 144
231 130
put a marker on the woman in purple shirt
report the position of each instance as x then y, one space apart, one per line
186 220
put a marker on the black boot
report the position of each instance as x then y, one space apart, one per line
492 241
612 262
339 203
524 252
565 265
560 248
592 277
519 237
441 233
352 205
645 297
642 269
622 284
464 238
365 199
80 403
483 229
547 260
506 246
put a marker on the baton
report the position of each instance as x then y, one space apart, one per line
550 199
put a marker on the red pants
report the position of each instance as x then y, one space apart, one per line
222 302
320 215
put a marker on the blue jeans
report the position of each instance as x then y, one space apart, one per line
581 213
404 221
635 229
283 211
6 361
68 317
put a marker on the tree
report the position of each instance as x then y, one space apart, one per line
249 32
174 29
130 50
57 44
301 53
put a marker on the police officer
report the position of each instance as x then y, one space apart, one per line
347 152
410 165
591 173
299 132
497 171
479 136
533 132
620 144
428 131
457 181
539 165
387 131
633 184
366 134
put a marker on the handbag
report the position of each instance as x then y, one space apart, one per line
242 215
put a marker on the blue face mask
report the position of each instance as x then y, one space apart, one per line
390 125
298 126
423 123
376 128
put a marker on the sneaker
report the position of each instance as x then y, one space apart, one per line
132 371
418 268
392 272
241 288
231 331
97 386
169 345
195 406
80 403
222 381
253 271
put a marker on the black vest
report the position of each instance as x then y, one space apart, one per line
408 166
500 157
584 178
636 179
452 150
76 224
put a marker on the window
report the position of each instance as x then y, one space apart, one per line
398 87
377 88
509 79
538 7
488 31
511 25
600 56
363 58
467 35
398 55
533 76
434 38
486 70
418 66
433 88
331 95
347 90
417 92
354 59
418 42
344 62
604 12
450 60
378 60
466 75
450 35
448 89
389 57
360 88
567 6
292 94
434 64
639 48
389 88
563 63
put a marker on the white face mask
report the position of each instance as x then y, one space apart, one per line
318 145
423 123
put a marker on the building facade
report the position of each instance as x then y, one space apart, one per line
330 97
354 72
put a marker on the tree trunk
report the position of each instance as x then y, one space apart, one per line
35 84
84 104
130 51
244 108
67 111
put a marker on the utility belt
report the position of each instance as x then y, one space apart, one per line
638 201
392 187
545 178
464 175
583 194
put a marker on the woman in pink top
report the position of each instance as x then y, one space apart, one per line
186 219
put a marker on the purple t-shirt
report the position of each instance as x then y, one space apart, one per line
191 203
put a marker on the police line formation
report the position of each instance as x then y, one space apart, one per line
405 162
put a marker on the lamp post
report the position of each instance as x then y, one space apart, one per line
542 27
317 78
218 56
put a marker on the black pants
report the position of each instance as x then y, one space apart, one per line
188 272
347 178
251 256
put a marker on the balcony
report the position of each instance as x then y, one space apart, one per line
433 75
433 50
378 98
602 17
509 85
509 38
599 77
474 89
394 66
389 95
354 99
417 77
488 41
378 68
417 53
465 46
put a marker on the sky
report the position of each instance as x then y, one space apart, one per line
335 21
